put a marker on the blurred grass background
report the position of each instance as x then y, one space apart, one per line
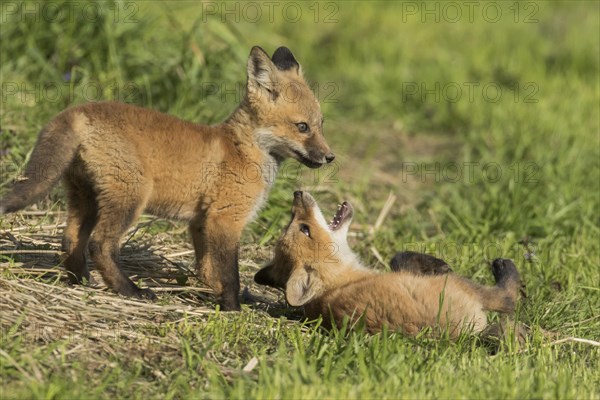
484 124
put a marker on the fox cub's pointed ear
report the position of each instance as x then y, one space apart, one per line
284 60
262 73
303 286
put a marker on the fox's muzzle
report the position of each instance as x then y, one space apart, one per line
303 199
318 152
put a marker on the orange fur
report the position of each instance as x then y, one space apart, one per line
117 160
317 269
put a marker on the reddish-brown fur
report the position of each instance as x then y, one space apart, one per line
319 272
117 160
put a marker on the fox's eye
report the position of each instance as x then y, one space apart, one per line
305 229
302 127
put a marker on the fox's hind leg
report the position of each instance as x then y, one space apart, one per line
419 263
121 197
506 274
81 219
113 222
502 297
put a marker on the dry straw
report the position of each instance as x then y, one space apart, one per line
37 302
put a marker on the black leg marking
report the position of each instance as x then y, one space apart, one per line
419 263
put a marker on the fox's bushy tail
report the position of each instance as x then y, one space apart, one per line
52 155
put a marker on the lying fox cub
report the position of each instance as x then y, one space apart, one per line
317 269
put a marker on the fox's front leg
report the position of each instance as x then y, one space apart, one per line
419 263
216 243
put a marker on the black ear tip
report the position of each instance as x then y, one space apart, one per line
284 59
281 51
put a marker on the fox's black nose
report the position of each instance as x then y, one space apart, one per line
330 157
297 194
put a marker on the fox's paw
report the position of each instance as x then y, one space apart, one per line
504 270
134 291
79 279
229 302
146 294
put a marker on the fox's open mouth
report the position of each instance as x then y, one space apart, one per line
307 161
344 212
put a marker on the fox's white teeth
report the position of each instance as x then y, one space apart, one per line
339 216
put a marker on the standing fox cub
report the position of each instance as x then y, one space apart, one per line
117 160
317 269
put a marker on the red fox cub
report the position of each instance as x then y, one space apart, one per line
117 160
317 269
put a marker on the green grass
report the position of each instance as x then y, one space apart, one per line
365 60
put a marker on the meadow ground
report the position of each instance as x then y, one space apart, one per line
467 130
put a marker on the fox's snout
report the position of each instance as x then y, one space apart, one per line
297 202
315 159
322 152
317 151
302 200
